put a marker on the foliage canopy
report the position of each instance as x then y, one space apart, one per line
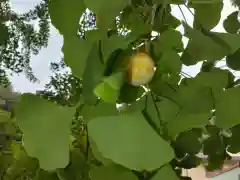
92 123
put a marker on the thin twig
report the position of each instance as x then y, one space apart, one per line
189 9
182 14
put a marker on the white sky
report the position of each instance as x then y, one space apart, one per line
41 63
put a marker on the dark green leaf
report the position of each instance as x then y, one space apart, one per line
41 174
234 145
90 79
233 60
106 10
166 172
169 62
130 93
65 16
231 24
133 148
188 142
76 167
110 172
42 139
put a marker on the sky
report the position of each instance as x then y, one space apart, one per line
41 63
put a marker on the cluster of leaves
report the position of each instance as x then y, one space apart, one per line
19 39
160 127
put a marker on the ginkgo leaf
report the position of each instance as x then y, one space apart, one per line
138 148
38 119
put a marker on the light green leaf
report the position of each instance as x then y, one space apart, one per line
169 62
110 172
231 24
76 52
204 11
128 140
92 74
186 121
109 89
65 16
115 80
38 121
166 172
106 92
227 108
169 40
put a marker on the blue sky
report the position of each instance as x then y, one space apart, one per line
41 62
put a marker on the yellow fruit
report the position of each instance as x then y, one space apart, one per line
140 69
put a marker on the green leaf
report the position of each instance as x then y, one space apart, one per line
110 172
231 23
233 60
42 139
75 168
201 47
168 110
129 93
106 10
184 122
166 172
166 21
41 174
133 148
109 45
204 11
76 52
97 154
209 46
169 40
227 112
4 34
92 74
109 89
216 78
188 142
234 146
65 16
169 62
187 96
106 92
101 109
